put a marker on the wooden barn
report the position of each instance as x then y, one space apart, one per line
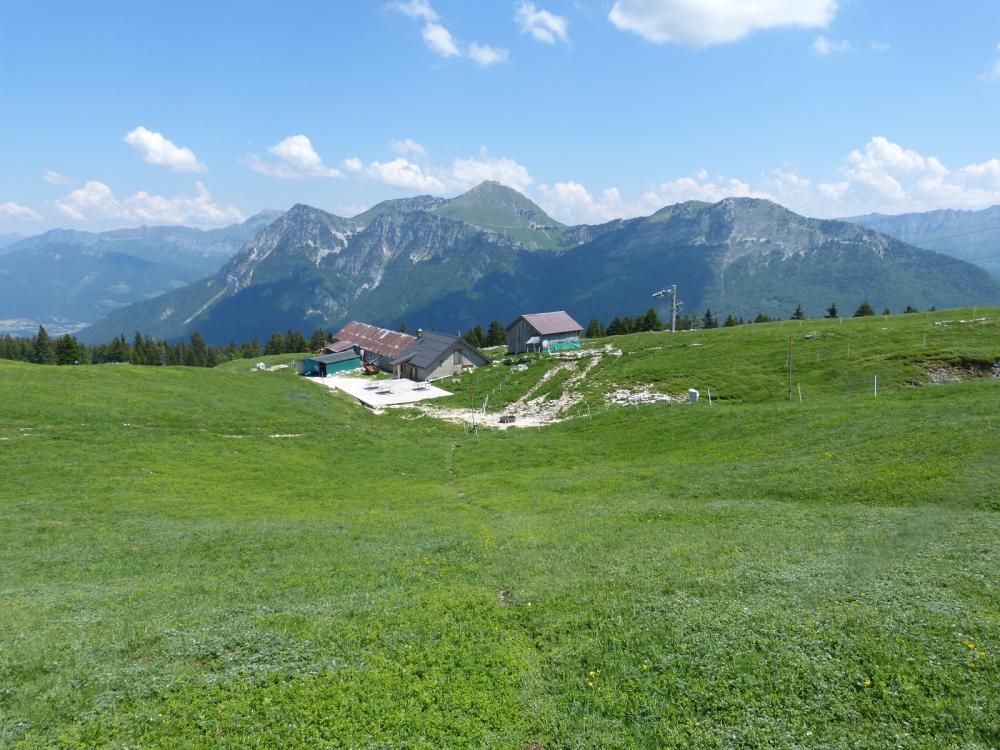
436 355
321 365
543 332
379 346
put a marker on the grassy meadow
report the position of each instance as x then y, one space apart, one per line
222 558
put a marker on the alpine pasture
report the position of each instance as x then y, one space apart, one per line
223 558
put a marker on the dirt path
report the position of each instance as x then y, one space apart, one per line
530 411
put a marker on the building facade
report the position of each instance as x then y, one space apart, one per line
543 332
436 355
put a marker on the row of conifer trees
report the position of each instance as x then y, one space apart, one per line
650 321
143 350
196 352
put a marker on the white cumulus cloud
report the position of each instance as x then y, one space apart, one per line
414 9
994 75
296 160
886 177
401 173
17 211
95 201
484 55
824 46
407 147
155 149
460 175
55 178
573 203
706 22
439 40
467 173
541 24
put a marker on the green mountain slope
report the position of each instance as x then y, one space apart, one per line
429 263
968 235
65 279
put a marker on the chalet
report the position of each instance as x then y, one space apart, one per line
321 365
543 332
379 346
436 355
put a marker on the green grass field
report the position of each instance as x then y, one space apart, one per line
219 558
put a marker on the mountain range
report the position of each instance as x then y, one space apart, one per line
969 235
492 253
67 279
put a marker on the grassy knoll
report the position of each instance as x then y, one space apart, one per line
219 558
748 363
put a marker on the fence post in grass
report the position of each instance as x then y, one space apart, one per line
876 386
789 369
925 341
800 392
709 396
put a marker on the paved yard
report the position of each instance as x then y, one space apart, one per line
382 393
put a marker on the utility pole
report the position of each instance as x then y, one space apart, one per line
675 304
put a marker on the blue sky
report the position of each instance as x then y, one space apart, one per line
123 113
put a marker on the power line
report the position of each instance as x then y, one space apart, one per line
960 234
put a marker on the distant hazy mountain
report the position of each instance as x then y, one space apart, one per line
969 235
429 262
9 239
66 279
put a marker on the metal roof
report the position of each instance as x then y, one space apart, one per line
329 359
374 339
549 323
430 346
338 346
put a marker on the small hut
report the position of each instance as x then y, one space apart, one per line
437 355
543 332
321 365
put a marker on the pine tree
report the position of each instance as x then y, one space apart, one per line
67 351
832 312
197 351
295 342
276 344
762 318
799 313
887 311
495 334
251 350
910 309
730 321
594 329
43 348
138 351
708 320
402 327
474 335
616 327
651 321
120 350
864 310
318 340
